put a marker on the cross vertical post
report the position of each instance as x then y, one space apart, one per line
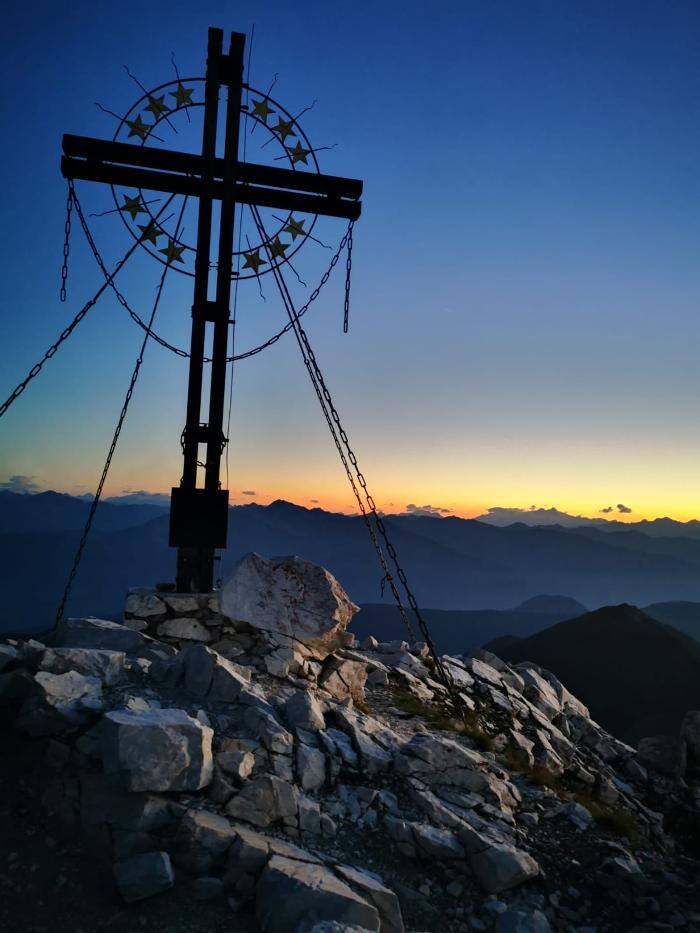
199 517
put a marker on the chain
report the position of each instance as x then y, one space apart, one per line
183 353
120 423
37 367
348 271
331 412
66 240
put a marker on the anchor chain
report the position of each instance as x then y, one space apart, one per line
331 412
183 353
66 241
113 446
348 271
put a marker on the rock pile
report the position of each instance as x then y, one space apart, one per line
242 745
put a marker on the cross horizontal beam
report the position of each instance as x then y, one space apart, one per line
183 184
169 160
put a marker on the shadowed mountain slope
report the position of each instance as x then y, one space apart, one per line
638 676
681 615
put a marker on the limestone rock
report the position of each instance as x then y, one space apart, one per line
108 666
202 840
144 604
500 867
144 875
343 678
97 633
181 603
291 892
8 655
264 801
370 886
289 596
576 814
64 688
162 749
311 767
303 711
184 628
437 843
239 764
207 673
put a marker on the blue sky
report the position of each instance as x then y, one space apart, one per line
524 326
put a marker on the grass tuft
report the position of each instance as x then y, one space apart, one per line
442 717
617 820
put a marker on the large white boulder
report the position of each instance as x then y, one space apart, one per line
290 597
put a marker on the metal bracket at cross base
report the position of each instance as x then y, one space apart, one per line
199 516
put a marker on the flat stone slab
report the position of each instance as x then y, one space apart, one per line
143 876
160 749
290 892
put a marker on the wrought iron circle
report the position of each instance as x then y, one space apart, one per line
259 107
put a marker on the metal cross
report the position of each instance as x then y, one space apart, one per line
198 516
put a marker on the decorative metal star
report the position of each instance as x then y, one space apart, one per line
262 109
138 128
277 248
183 95
298 153
157 106
173 252
283 129
150 232
254 260
295 227
132 206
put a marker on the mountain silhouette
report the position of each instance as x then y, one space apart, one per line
638 676
452 563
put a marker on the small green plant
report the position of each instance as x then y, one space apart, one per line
537 773
617 820
442 717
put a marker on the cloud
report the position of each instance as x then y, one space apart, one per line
625 509
315 501
607 510
434 510
19 483
248 492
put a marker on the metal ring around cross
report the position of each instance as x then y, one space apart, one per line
148 120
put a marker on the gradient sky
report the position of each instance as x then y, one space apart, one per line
525 323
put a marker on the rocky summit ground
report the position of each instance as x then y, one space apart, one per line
236 761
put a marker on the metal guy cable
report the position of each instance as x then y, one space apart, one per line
320 384
120 423
109 282
183 353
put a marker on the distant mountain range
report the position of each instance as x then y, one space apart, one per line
637 675
656 527
452 563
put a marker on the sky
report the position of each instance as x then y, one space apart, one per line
524 324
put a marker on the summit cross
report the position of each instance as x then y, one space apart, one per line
199 515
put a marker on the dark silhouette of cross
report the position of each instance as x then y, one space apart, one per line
198 516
